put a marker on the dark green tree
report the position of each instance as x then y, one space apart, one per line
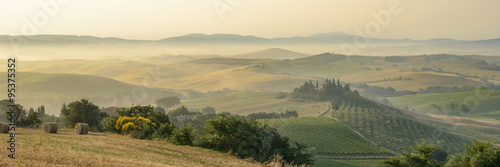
41 111
168 102
136 111
20 113
183 135
180 111
31 121
82 111
480 153
248 138
164 131
420 156
31 111
208 110
160 110
328 91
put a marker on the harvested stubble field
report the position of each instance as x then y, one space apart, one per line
35 148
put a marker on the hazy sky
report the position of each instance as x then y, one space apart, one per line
157 19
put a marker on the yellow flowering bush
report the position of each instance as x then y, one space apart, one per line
122 121
127 124
128 127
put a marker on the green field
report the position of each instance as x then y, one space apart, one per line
247 102
327 137
389 127
311 68
487 102
273 53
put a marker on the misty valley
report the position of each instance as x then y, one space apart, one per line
265 106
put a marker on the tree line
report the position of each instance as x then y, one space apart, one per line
324 92
480 153
274 115
451 109
244 137
373 92
30 119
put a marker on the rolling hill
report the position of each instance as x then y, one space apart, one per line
66 85
478 127
207 74
35 148
51 90
170 59
339 58
327 137
201 75
272 53
487 102
247 102
389 127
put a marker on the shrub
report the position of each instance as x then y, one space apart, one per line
208 110
248 138
31 121
160 110
122 121
109 123
129 126
420 156
145 112
168 102
183 136
164 131
281 95
481 153
181 111
140 127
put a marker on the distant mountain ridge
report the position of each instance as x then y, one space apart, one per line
231 44
274 53
218 37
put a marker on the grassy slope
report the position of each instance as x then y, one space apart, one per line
454 64
202 75
34 148
272 53
69 85
244 103
51 90
389 127
419 79
277 75
479 128
488 105
326 136
484 122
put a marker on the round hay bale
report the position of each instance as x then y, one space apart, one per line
81 128
50 127
4 128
